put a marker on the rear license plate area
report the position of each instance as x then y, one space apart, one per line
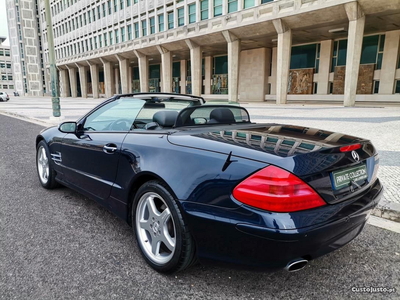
347 177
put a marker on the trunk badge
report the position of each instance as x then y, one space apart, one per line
355 155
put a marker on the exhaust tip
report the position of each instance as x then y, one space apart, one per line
296 265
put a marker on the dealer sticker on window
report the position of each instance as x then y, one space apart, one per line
344 177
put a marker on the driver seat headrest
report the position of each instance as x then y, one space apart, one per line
165 118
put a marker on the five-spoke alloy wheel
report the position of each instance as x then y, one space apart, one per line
160 230
44 168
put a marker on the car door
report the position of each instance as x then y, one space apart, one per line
90 156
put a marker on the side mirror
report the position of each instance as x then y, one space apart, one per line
200 121
68 127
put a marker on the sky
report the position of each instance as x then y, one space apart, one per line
3 21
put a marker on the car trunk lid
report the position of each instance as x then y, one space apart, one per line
314 155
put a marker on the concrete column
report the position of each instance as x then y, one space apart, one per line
73 81
108 78
325 60
166 67
354 44
195 67
94 75
64 83
143 63
183 75
123 73
83 80
233 65
116 76
208 64
130 80
274 70
283 60
388 71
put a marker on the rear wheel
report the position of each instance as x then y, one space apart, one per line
163 237
44 168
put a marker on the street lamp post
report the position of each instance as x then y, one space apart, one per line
55 99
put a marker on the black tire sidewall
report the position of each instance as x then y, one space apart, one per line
51 181
154 186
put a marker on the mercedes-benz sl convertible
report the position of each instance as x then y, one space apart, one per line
203 182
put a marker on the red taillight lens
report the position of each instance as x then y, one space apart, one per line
350 148
277 190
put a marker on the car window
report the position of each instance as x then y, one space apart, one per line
114 116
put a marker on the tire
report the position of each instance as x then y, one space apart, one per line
44 166
156 219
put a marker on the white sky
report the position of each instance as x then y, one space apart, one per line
3 21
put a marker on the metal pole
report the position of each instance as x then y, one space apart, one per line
55 99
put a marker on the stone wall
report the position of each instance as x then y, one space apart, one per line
301 81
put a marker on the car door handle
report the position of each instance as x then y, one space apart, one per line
110 148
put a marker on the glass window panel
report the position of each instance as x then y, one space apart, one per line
382 43
192 13
397 88
342 53
217 8
161 23
154 71
181 16
379 62
232 5
144 28
221 65
335 45
266 1
303 56
204 9
369 49
317 66
170 20
176 69
248 3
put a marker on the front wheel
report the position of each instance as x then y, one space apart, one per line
163 237
44 168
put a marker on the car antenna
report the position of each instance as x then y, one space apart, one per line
228 162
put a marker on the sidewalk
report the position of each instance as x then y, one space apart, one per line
379 124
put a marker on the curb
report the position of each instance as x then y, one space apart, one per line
26 118
387 210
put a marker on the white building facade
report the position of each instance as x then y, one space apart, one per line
6 74
243 50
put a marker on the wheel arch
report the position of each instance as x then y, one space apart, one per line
137 182
39 138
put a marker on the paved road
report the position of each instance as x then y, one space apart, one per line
58 244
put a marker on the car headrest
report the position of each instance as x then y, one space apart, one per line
222 115
165 118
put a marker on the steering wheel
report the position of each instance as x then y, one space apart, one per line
121 124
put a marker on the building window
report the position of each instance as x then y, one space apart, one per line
217 8
317 59
232 5
152 25
376 87
115 5
128 3
380 52
339 54
161 23
397 87
105 40
89 18
98 12
94 14
248 3
91 44
266 1
104 9
100 41
1 52
136 30
8 66
121 4
170 20
122 34
111 38
116 36
129 32
144 28
192 13
95 42
303 57
204 9
181 16
109 7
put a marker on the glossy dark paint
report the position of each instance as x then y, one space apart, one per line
191 163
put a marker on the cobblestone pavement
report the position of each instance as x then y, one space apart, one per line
379 124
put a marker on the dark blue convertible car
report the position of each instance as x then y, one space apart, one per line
202 182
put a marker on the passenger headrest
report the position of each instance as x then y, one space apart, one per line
165 118
222 115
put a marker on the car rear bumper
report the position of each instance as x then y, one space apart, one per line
250 244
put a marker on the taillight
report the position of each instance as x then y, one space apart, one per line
277 190
350 148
